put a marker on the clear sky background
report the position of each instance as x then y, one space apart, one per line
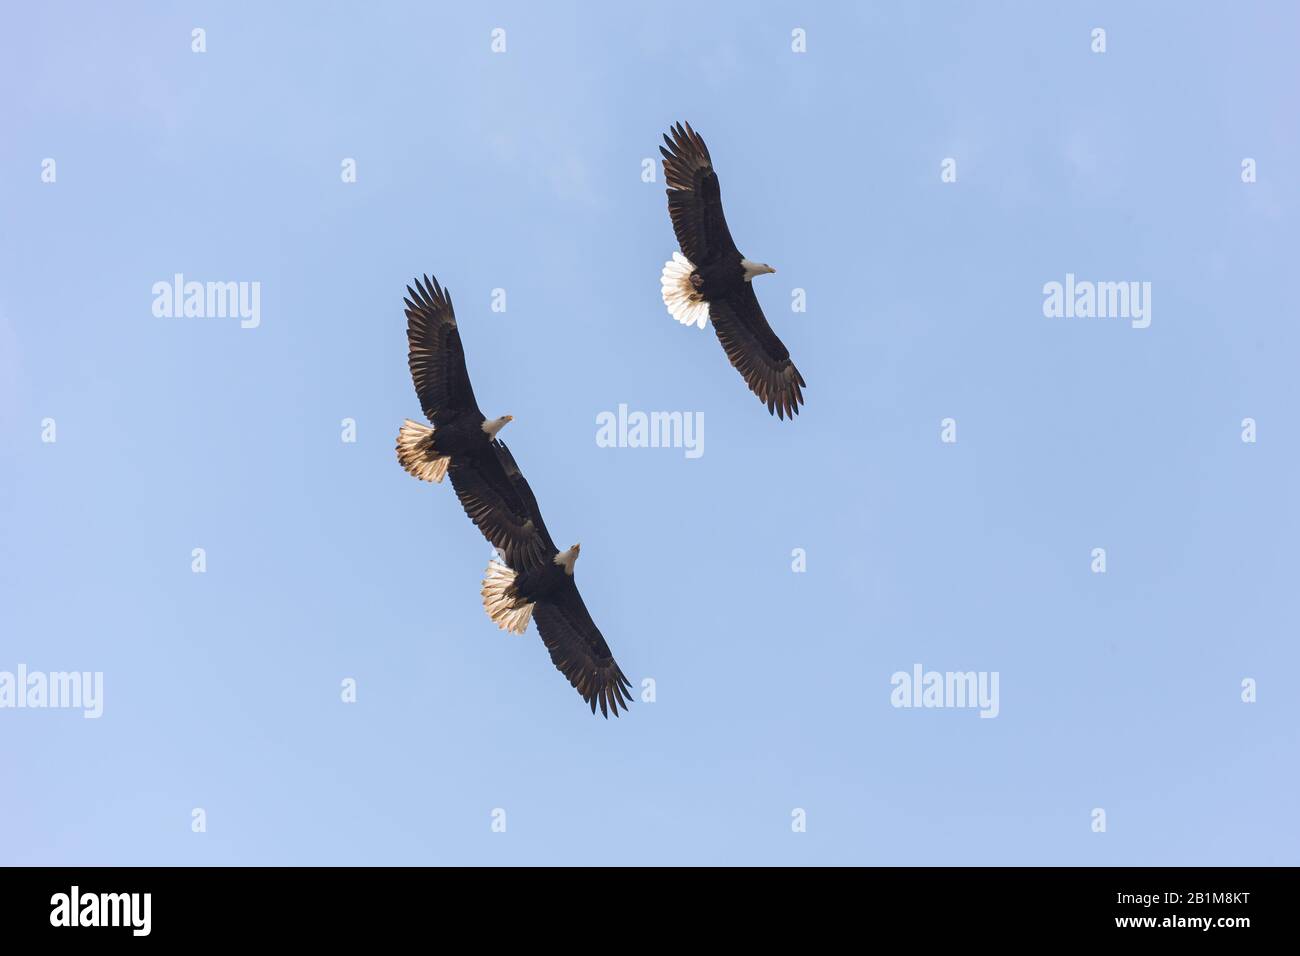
522 171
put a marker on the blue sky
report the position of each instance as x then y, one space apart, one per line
522 171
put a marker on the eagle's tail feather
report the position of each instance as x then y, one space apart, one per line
685 304
415 452
500 604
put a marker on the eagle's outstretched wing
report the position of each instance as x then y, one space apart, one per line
694 198
579 651
524 493
493 503
435 355
756 352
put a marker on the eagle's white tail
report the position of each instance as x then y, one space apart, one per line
415 452
683 300
499 604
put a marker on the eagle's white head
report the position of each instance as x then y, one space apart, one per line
567 559
496 424
753 269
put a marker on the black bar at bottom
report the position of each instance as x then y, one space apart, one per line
90 905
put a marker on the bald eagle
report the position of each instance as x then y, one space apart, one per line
710 279
544 588
531 577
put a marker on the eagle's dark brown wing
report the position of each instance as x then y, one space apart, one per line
756 352
435 355
579 651
694 198
525 494
493 503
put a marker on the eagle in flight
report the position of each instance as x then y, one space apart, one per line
710 279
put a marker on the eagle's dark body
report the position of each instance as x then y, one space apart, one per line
720 278
461 438
542 582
